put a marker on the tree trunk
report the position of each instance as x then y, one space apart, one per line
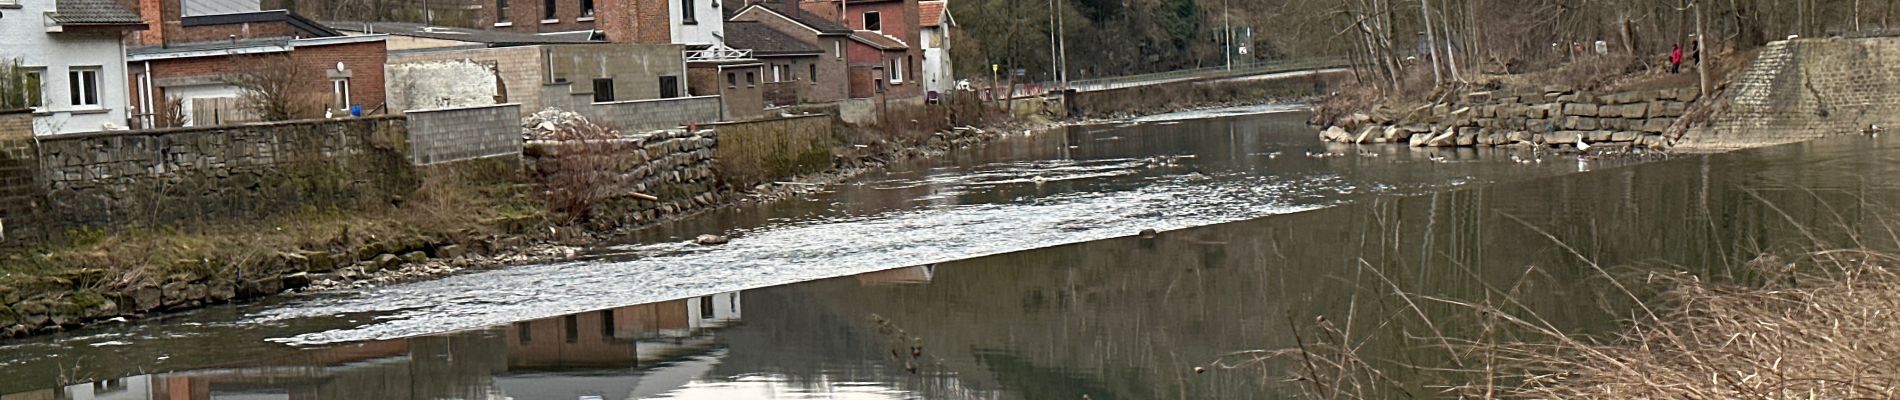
1702 47
1425 8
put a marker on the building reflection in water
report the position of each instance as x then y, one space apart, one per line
623 353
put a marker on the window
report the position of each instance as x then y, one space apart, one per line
524 332
706 307
686 13
33 93
732 79
603 90
669 87
572 323
873 21
340 92
587 8
84 82
606 324
837 49
501 12
897 72
547 11
777 71
751 80
814 72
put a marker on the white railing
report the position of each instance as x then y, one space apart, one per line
718 53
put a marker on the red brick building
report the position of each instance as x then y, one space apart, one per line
184 73
885 43
826 77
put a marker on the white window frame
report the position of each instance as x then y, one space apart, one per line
340 93
83 82
866 21
837 47
897 72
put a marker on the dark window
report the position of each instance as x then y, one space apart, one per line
501 11
606 324
547 10
84 85
814 72
706 307
732 79
573 325
873 22
524 332
686 13
751 79
587 8
603 90
669 87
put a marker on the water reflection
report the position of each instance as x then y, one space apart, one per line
623 353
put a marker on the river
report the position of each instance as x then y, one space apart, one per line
1017 276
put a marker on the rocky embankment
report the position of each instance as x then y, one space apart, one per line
1550 117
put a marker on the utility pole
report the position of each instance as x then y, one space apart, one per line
1062 49
1055 48
1227 25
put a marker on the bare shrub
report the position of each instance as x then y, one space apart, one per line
277 88
576 166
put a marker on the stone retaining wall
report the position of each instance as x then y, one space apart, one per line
674 166
192 176
749 153
1544 118
1805 89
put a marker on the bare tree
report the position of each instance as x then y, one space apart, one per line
276 87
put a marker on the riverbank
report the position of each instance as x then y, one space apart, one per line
464 217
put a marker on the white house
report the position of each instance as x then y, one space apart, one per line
73 50
698 23
935 21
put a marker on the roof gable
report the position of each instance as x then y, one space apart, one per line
765 41
797 16
932 14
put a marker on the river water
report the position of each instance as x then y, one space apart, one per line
1016 276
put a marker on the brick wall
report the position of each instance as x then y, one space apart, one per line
753 152
194 176
454 134
636 21
1805 89
833 82
364 60
20 196
520 69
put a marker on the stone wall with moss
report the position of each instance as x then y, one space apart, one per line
749 153
182 178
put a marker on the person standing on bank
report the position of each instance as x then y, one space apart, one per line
1675 60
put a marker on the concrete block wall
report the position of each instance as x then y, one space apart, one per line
1804 89
644 115
753 152
455 134
191 176
520 69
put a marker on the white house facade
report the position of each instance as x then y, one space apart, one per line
73 49
698 23
936 23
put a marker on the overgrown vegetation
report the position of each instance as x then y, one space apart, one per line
19 85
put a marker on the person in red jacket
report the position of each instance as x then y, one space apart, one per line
1675 60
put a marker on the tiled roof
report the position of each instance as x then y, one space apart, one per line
494 38
879 40
765 41
93 12
807 19
933 14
